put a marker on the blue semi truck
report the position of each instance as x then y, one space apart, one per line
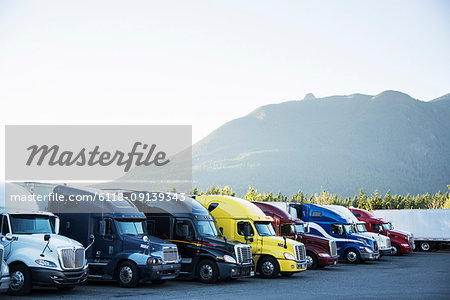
352 246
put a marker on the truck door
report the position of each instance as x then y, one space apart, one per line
5 229
105 236
253 239
184 237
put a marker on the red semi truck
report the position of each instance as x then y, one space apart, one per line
320 252
403 242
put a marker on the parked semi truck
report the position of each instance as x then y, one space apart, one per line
430 227
320 251
401 241
35 252
4 272
205 253
119 247
384 243
352 246
243 221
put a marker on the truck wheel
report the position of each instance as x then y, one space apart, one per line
352 256
425 246
397 250
268 267
127 274
20 280
207 271
311 260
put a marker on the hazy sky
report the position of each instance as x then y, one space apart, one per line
207 62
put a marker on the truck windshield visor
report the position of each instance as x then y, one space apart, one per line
265 229
131 227
300 228
207 228
388 226
349 228
30 224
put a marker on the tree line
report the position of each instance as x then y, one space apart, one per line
361 200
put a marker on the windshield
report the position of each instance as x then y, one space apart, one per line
300 228
361 228
29 224
388 226
131 227
349 228
207 228
264 228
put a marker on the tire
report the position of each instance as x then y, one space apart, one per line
20 280
397 250
65 288
426 246
352 256
207 271
268 267
311 260
127 274
158 281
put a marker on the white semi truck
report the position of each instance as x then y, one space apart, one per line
4 273
34 251
430 227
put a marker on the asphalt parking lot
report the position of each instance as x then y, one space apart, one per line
413 276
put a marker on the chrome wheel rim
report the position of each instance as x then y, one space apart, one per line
206 272
425 246
351 256
267 268
17 281
309 261
126 274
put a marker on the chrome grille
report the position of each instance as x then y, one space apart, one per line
243 254
375 246
333 248
1 259
300 252
170 254
72 258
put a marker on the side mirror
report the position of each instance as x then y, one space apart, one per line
221 230
57 224
102 227
9 237
246 231
46 237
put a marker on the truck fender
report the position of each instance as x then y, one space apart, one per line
138 258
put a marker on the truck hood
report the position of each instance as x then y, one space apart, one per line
278 242
401 232
136 243
219 243
37 241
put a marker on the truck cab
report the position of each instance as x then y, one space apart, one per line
35 252
205 253
402 242
243 221
384 243
115 233
352 246
320 251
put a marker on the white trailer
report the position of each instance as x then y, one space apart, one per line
430 227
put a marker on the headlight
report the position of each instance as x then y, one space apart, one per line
288 256
368 250
229 259
404 245
46 263
324 255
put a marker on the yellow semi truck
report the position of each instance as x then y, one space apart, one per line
243 221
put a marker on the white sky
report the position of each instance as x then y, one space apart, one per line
207 62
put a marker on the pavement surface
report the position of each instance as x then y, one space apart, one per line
414 276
